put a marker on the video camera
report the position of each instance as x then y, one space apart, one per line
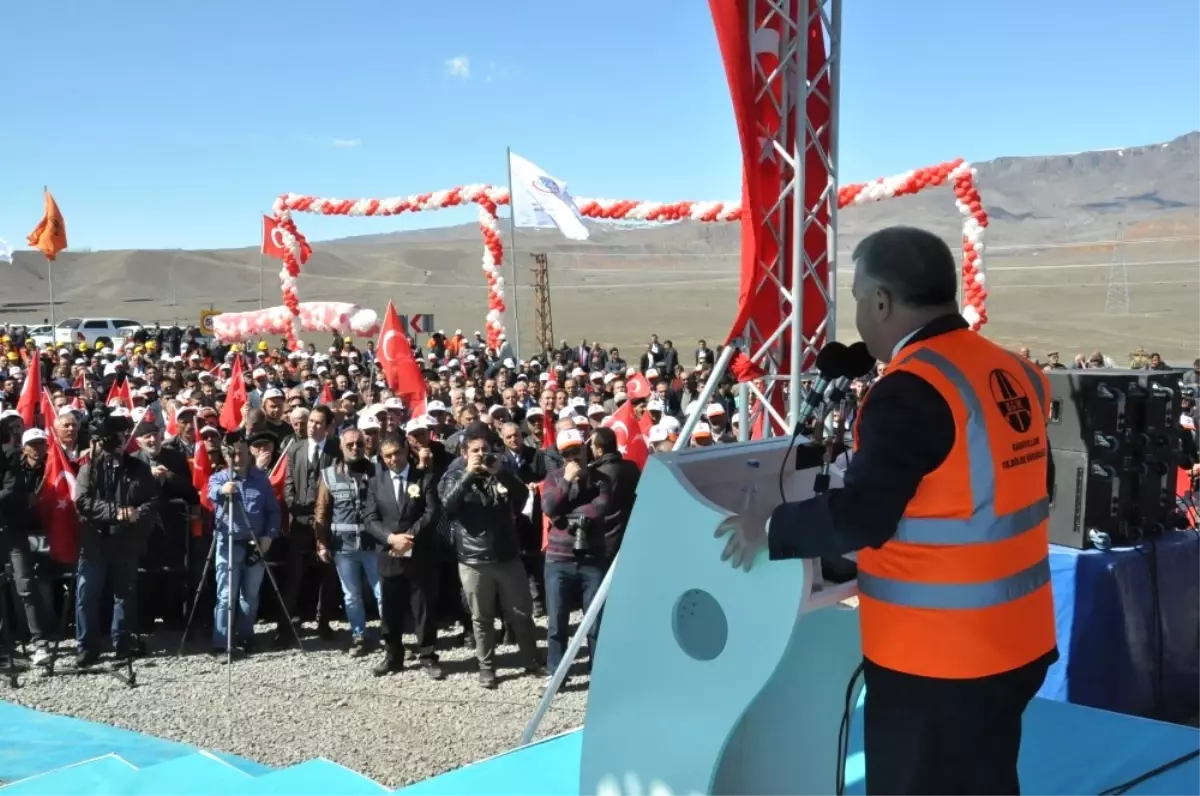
108 429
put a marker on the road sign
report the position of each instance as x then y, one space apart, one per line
206 320
419 324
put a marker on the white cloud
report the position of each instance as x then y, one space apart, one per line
345 143
459 66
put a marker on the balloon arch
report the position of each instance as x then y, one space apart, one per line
488 198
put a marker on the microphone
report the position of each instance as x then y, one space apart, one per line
831 365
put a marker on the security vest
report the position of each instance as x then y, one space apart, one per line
346 528
962 590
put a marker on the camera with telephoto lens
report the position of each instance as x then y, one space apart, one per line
106 429
578 526
489 460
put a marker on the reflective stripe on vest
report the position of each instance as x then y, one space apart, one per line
982 527
345 514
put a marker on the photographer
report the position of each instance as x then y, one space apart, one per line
575 499
245 506
482 499
115 495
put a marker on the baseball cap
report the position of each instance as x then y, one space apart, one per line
368 423
272 393
658 433
568 438
416 424
33 435
714 410
596 409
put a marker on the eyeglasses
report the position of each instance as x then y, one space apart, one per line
352 444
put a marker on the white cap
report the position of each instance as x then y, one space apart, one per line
434 406
272 393
670 424
354 369
655 405
508 363
9 413
715 410
581 421
535 411
566 413
33 435
457 332
568 438
258 373
577 371
393 403
620 398
543 376
596 409
375 410
109 370
658 433
609 378
368 423
702 430
595 375
420 423
210 430
137 414
145 390
65 409
496 409
311 384
578 401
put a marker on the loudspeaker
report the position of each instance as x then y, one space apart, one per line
1114 439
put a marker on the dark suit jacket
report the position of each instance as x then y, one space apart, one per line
300 484
415 515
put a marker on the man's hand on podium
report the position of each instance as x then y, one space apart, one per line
747 536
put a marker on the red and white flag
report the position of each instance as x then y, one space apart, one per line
120 394
235 398
272 241
395 358
630 440
55 506
31 393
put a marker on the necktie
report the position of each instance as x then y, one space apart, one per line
315 466
398 485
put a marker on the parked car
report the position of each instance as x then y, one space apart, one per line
89 330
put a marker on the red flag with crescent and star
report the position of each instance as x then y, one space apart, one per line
396 360
31 394
272 241
628 430
235 398
55 506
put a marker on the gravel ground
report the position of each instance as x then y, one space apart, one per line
288 706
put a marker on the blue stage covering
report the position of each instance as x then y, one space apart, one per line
1105 618
1066 749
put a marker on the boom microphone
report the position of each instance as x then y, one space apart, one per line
831 365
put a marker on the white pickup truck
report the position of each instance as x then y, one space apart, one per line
89 330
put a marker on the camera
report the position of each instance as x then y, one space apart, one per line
578 527
107 429
489 460
253 553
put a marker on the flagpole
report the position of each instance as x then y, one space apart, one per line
512 247
50 282
260 279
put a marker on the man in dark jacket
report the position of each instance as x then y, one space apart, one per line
481 498
401 513
576 500
21 535
115 495
622 476
165 557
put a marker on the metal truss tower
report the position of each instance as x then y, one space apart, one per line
543 330
1116 301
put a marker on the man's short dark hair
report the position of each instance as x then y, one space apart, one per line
324 411
914 265
475 431
604 440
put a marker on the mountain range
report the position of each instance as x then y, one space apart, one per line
1055 201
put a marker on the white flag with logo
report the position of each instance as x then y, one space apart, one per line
541 201
5 251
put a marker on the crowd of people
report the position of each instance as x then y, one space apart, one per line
497 494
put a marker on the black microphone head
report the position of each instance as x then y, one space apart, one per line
859 361
832 360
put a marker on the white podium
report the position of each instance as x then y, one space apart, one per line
709 679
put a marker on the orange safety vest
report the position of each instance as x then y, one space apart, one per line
962 590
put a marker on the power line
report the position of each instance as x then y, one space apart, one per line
1116 301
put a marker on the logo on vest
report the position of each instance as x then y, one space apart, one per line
1011 400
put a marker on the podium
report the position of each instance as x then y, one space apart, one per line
708 679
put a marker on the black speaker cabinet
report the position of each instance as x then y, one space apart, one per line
1114 438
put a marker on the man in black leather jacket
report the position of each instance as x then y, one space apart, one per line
482 498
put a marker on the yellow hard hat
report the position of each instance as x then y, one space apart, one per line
5 339
12 356
151 345
347 339
262 345
83 346
100 346
236 347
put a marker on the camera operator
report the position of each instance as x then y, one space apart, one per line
481 498
116 496
165 557
575 499
245 504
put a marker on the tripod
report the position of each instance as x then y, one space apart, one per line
231 606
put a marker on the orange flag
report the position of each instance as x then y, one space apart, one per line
50 235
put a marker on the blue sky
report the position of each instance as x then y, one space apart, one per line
175 124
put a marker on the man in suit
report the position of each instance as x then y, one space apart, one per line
306 460
401 512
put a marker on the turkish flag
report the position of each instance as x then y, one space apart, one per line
202 470
235 398
326 397
628 430
548 434
119 392
278 476
272 241
31 393
395 358
637 388
55 506
48 413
